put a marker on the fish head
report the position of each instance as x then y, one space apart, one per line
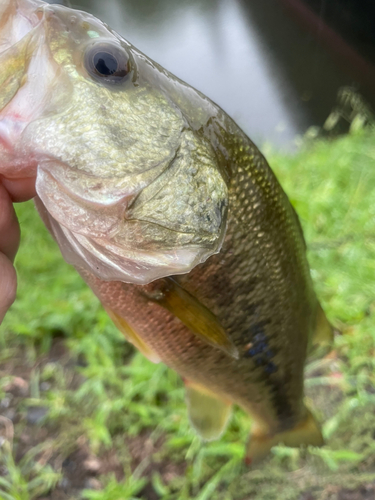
129 183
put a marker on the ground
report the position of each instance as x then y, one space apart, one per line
83 416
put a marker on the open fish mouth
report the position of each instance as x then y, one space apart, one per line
24 57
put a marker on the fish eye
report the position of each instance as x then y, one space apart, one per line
107 63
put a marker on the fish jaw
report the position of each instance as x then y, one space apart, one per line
29 83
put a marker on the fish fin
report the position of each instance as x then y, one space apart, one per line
208 413
307 432
193 314
322 337
132 336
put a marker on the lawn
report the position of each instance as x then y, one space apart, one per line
84 416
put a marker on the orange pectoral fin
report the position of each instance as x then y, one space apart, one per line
200 320
132 336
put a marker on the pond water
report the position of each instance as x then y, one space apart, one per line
251 57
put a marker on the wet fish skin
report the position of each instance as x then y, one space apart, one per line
175 220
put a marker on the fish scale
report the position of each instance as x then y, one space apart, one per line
169 213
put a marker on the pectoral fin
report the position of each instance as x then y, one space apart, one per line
194 315
131 336
208 413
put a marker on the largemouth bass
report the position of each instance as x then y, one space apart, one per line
169 212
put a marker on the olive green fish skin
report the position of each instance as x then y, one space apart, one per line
258 286
135 178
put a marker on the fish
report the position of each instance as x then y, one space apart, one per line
170 214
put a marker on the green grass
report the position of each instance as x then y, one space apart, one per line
105 396
28 479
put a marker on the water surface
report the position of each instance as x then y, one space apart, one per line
250 57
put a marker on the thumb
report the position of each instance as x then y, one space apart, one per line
8 285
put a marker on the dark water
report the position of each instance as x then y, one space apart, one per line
252 57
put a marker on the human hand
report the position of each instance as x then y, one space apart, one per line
10 191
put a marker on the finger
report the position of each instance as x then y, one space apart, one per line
9 227
20 189
8 285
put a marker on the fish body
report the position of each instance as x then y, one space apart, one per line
169 212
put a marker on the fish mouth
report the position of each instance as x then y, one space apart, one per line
27 69
18 19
